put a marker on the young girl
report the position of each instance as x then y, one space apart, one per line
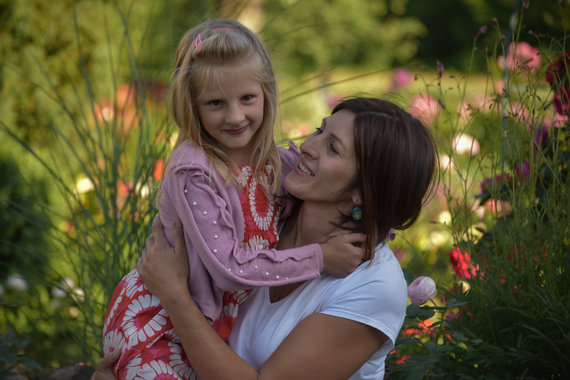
224 184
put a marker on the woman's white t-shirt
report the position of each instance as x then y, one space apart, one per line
375 294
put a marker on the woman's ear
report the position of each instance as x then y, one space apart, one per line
356 197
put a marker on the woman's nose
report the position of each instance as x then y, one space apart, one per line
310 147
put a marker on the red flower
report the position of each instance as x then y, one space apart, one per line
461 263
557 77
158 170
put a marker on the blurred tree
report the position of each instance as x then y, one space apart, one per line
308 36
23 225
56 55
452 24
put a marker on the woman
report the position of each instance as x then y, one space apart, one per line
368 155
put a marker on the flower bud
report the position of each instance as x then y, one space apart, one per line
421 290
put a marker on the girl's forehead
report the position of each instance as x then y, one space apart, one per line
218 75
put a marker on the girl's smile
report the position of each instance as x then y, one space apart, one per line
231 110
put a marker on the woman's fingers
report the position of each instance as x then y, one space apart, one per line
104 368
108 360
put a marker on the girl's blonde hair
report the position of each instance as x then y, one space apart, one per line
201 54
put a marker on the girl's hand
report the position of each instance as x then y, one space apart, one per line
104 369
342 252
164 269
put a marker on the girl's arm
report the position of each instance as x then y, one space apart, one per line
211 214
320 347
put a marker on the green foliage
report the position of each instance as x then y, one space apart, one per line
506 315
85 104
23 224
10 344
97 132
452 25
309 36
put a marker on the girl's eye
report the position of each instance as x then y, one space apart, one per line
215 103
248 98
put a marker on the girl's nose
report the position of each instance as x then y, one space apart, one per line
234 114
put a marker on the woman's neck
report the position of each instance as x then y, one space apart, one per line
307 226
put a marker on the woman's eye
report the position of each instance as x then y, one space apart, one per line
319 130
332 148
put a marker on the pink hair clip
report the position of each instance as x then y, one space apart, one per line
198 41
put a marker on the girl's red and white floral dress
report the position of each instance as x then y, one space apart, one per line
137 324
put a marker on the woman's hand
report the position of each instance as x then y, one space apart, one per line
104 369
342 252
164 269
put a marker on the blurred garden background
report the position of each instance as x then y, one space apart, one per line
85 132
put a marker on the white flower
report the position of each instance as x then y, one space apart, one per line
57 292
78 294
84 185
67 283
421 290
464 143
445 162
17 282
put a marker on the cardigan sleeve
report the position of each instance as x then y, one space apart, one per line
212 218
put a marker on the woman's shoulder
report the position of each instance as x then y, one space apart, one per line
375 294
380 277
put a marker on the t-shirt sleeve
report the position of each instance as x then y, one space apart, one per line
209 222
376 298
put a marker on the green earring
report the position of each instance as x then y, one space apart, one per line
356 213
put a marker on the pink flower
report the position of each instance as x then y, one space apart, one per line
522 169
557 77
440 68
525 5
333 100
562 101
499 181
481 31
400 78
557 121
521 55
424 107
541 137
421 290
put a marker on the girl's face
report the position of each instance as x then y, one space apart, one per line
327 164
231 110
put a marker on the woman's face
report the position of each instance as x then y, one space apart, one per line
327 164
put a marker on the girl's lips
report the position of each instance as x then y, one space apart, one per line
237 131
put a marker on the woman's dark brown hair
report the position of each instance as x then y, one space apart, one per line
396 162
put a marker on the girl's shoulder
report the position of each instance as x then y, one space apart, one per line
189 154
288 156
